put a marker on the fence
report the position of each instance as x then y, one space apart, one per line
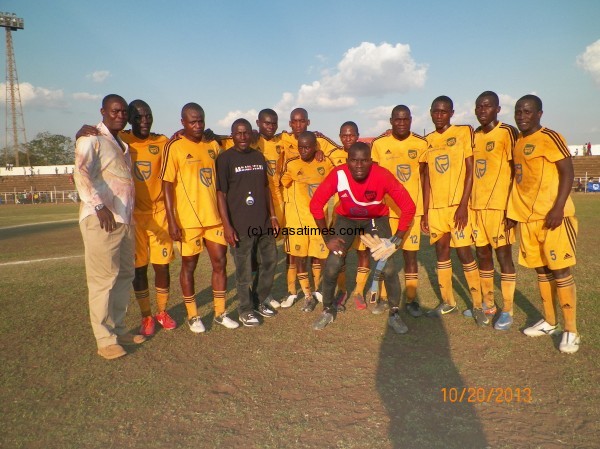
37 197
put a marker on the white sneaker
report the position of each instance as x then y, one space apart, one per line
196 325
570 342
224 320
272 302
289 301
542 327
318 296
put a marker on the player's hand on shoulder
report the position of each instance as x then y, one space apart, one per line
86 131
319 156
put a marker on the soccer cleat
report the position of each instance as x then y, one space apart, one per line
248 319
480 317
542 327
359 301
414 309
264 310
396 323
289 301
441 310
504 322
380 307
227 322
569 343
147 327
165 320
340 301
272 302
490 312
195 324
318 296
324 319
309 304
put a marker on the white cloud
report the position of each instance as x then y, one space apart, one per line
98 76
85 96
365 71
589 61
231 116
36 96
507 104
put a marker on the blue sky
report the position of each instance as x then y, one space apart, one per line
341 60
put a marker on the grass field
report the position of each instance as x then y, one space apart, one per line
283 385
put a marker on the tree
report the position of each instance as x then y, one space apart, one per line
51 149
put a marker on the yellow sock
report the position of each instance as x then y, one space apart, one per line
508 283
411 280
545 282
291 278
190 306
341 280
474 283
444 272
487 287
567 297
305 284
162 298
219 302
143 299
362 275
316 271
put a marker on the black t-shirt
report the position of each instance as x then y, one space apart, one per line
243 177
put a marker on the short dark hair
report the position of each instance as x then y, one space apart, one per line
359 146
265 112
350 123
191 107
301 110
111 97
443 99
489 94
240 121
132 108
400 108
308 134
536 100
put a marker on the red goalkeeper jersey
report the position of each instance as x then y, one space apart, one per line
363 200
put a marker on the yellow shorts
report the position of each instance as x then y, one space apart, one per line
412 238
192 239
152 241
306 245
441 221
488 228
555 249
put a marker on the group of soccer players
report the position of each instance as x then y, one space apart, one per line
469 187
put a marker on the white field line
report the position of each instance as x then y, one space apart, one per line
35 224
23 262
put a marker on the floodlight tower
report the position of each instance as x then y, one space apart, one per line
13 96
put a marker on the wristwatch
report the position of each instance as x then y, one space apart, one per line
99 207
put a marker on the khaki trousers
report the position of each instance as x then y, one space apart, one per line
109 268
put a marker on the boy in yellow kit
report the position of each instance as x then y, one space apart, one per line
301 177
540 202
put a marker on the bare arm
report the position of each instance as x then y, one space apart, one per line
555 216
461 217
174 230
231 236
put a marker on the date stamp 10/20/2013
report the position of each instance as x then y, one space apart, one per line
497 395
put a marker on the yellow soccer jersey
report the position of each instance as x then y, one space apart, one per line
190 167
535 186
273 152
338 156
302 179
445 157
491 167
401 157
146 162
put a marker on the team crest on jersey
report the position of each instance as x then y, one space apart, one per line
142 170
197 242
212 154
451 141
206 176
321 171
518 173
153 149
370 195
433 234
297 247
528 149
311 189
403 172
490 146
278 149
480 168
442 163
271 166
412 154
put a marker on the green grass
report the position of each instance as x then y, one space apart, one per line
281 385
